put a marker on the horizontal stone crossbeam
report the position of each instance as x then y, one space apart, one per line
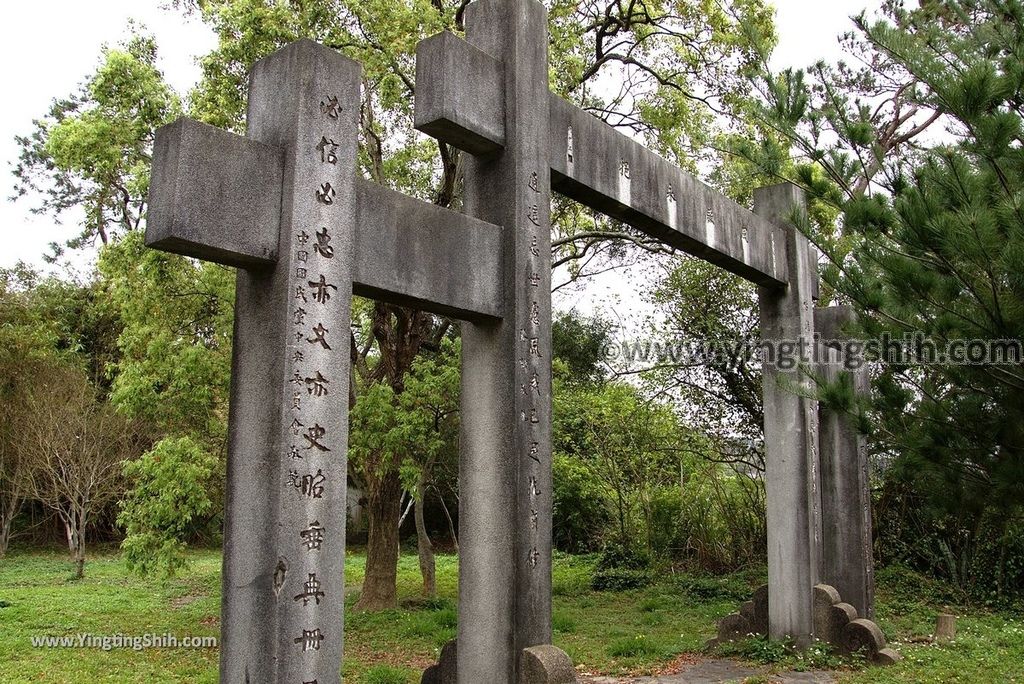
208 182
460 94
592 163
424 256
600 167
217 196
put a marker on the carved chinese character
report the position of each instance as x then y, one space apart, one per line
535 181
534 489
302 238
319 336
326 194
534 279
293 452
670 195
299 316
534 246
296 378
327 149
535 313
310 485
569 148
624 169
321 289
302 255
296 401
535 451
323 244
311 591
535 383
534 557
300 293
294 427
297 357
313 435
534 518
300 272
331 107
298 336
535 347
310 639
313 536
533 213
317 385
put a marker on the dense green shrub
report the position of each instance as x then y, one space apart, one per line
620 567
581 517
169 495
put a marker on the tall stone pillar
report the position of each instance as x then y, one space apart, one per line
790 429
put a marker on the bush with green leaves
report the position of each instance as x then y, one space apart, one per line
581 515
621 567
168 499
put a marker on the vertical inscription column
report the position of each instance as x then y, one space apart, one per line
505 468
284 577
790 431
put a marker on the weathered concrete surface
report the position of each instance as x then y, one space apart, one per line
505 464
266 561
446 669
790 432
460 94
546 664
214 195
847 555
617 175
423 256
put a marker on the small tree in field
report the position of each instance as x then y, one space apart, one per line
77 444
170 494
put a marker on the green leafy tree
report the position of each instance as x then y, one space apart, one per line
93 149
416 433
168 495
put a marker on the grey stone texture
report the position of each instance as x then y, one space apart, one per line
214 195
446 669
420 255
847 555
834 622
460 94
505 466
546 665
790 432
615 174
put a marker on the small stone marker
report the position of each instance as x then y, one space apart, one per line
945 627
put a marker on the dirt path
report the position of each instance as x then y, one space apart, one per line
718 672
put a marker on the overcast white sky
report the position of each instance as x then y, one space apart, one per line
47 47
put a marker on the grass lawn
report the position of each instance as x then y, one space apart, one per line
638 631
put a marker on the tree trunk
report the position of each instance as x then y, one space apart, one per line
384 496
75 527
423 546
10 510
451 524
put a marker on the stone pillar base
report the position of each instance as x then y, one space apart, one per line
835 622
537 665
